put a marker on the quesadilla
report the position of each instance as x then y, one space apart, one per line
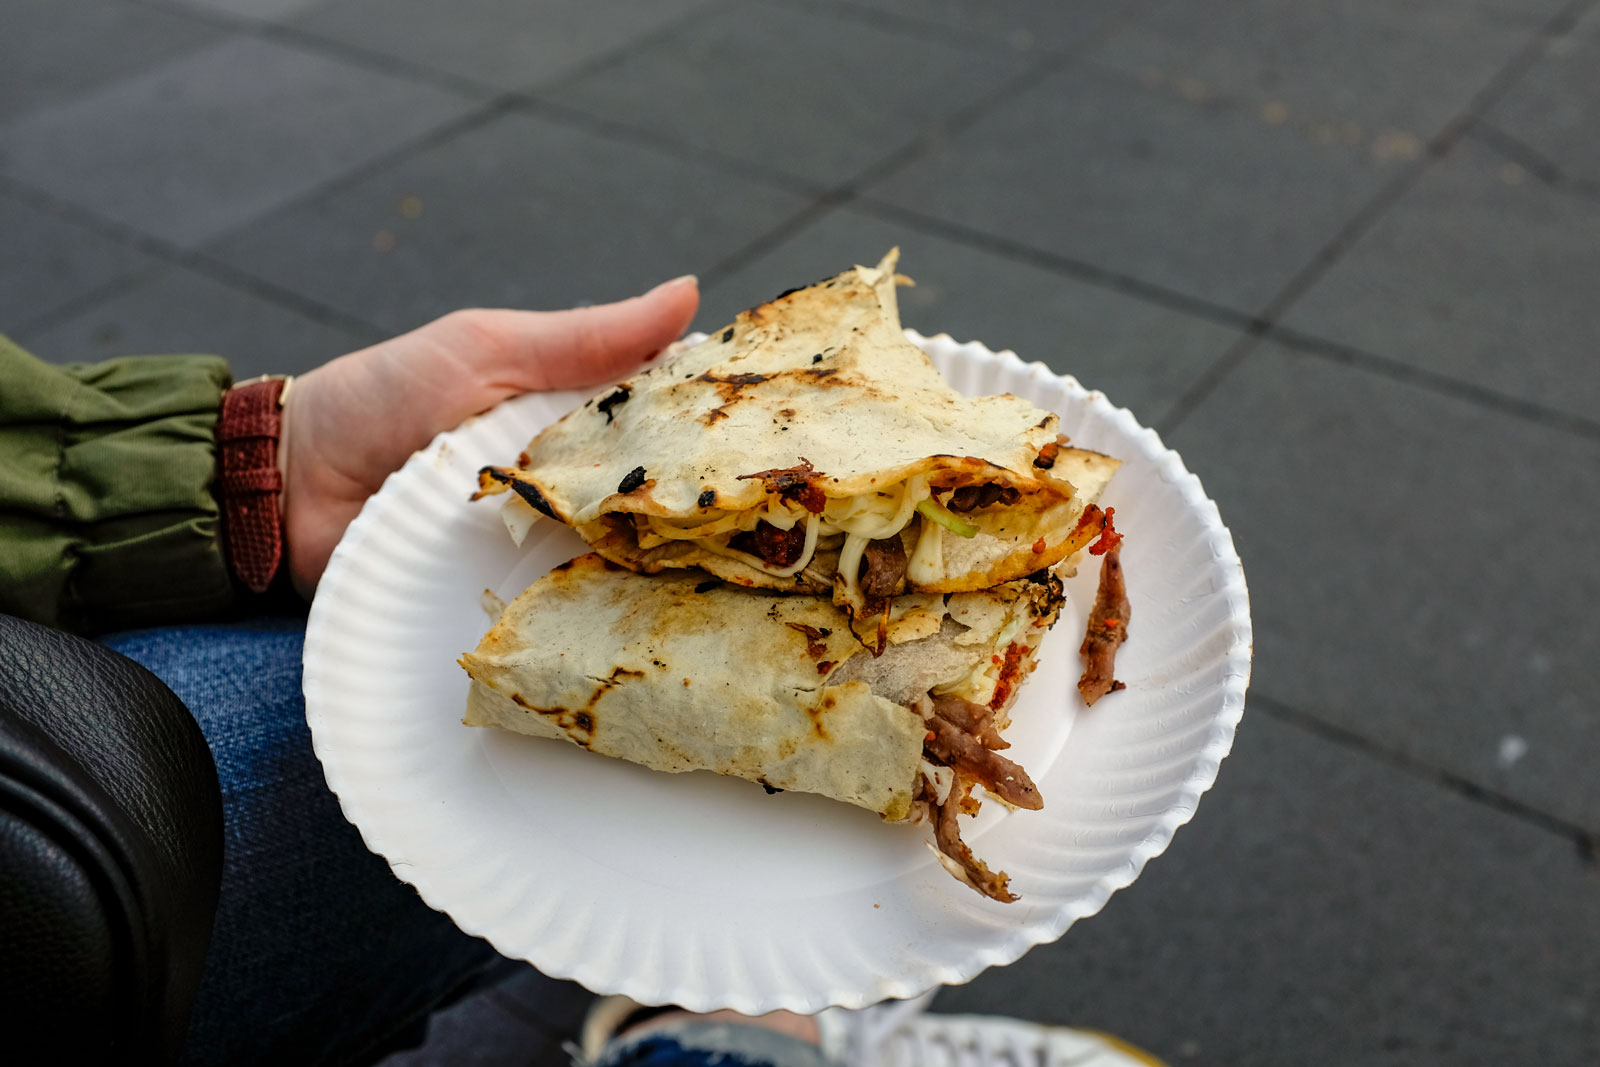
809 447
681 673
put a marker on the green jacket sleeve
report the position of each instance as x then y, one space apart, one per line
107 516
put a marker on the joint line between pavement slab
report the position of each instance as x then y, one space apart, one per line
1584 842
178 256
1434 382
1533 161
86 302
481 115
849 190
894 22
1368 215
622 52
612 130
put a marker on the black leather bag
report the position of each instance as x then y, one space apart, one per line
110 854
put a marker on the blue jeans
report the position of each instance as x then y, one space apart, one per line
319 953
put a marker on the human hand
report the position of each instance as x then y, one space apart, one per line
352 422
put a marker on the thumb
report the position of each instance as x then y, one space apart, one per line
566 349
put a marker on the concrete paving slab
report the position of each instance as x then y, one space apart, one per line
1371 71
1555 108
510 44
178 310
53 50
1141 355
1199 197
1021 25
521 212
204 143
50 263
1481 273
802 91
1325 909
1421 569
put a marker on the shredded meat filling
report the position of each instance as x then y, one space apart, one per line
969 497
962 735
883 572
883 568
954 746
779 548
975 719
1108 628
947 836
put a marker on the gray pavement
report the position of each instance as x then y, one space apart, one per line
1343 254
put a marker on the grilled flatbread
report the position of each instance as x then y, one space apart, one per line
679 673
810 448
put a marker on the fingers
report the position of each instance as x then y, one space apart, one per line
566 349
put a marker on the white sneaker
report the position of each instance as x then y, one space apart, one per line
899 1034
604 1017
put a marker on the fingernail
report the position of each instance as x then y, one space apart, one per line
682 279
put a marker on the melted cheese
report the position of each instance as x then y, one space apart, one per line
927 560
869 517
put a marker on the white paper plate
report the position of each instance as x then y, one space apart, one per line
703 891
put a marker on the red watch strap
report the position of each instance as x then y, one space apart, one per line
249 482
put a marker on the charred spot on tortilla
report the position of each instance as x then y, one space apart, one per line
526 490
708 498
817 358
727 335
630 481
738 381
555 713
613 399
769 787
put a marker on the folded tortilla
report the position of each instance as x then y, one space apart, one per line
809 447
679 673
